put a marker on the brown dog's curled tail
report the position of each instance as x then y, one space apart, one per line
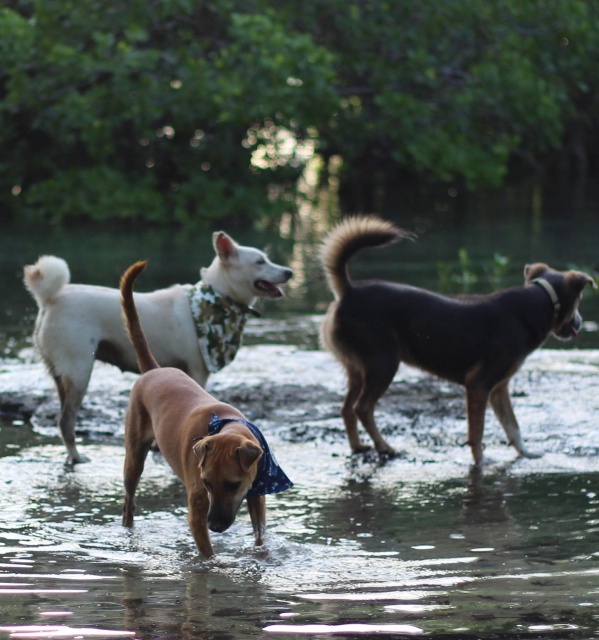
145 359
346 239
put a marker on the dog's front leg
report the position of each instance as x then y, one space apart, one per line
257 511
198 522
476 404
502 406
365 394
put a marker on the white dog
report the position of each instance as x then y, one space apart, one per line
196 328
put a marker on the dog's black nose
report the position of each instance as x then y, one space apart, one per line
288 274
218 524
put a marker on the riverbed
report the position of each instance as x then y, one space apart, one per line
422 544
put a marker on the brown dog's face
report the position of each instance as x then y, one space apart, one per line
568 286
228 464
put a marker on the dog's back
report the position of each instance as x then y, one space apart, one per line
145 359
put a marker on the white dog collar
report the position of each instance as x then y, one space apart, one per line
550 291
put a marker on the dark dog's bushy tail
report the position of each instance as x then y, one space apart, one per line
346 239
145 359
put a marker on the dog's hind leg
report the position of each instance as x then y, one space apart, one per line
138 440
377 378
350 419
476 405
502 406
71 397
136 451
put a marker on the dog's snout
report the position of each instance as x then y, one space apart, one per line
570 329
218 525
287 274
220 520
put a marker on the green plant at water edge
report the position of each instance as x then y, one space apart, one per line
466 275
459 276
499 268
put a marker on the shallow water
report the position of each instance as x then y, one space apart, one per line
421 544
417 545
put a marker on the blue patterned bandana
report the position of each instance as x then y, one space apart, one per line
270 477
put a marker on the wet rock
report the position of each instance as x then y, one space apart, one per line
19 405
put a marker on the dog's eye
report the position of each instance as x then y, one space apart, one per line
261 261
232 486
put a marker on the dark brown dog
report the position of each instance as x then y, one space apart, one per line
220 457
477 341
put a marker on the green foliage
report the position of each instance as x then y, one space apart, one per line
95 193
457 89
144 110
183 111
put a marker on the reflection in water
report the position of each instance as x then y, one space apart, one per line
356 548
57 631
422 541
327 629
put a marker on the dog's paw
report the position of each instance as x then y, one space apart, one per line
484 461
525 453
387 451
78 459
361 448
261 552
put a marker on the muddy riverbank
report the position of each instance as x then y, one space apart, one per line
297 393
421 544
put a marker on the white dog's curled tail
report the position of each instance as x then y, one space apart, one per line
46 278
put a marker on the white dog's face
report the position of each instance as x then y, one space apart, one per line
249 269
263 274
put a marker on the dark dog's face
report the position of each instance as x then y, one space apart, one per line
568 286
228 464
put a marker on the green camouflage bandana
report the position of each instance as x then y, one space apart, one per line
219 322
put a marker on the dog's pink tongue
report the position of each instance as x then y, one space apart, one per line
270 289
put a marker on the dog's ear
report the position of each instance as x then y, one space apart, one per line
248 454
578 280
201 449
224 246
532 271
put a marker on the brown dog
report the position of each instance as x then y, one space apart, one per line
477 341
219 455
